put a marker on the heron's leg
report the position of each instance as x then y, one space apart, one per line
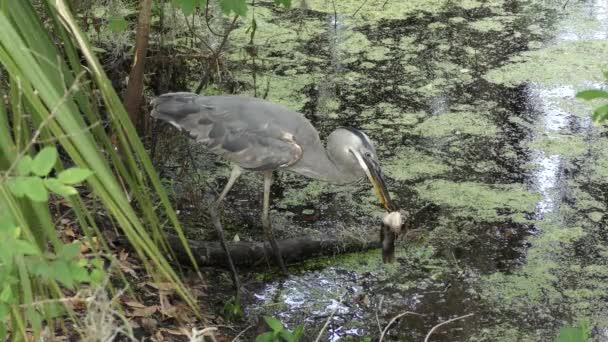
220 232
234 175
266 222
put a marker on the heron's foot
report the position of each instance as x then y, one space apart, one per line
276 250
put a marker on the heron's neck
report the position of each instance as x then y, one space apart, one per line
320 165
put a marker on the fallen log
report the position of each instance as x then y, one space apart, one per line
210 253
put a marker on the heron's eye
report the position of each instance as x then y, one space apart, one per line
368 154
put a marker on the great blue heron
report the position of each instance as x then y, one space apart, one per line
258 135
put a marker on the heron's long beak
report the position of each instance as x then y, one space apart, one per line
376 177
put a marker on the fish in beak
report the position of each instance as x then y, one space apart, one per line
376 177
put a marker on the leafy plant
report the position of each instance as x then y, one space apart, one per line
33 180
279 333
56 93
232 309
600 113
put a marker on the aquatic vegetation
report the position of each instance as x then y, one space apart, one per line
411 164
572 62
456 123
484 202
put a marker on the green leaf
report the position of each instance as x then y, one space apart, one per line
592 94
273 323
34 189
239 7
571 334
286 3
24 166
265 337
188 6
16 185
69 251
79 273
7 294
44 161
117 24
73 175
600 113
42 269
59 188
288 336
26 248
61 273
97 276
298 331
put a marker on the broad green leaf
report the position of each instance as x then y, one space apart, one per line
24 165
79 273
591 94
117 24
16 185
97 276
61 273
26 248
44 161
59 188
239 7
42 269
265 337
69 251
73 175
34 189
273 323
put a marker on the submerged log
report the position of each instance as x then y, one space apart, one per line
210 253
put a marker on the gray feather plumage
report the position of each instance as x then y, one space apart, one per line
253 133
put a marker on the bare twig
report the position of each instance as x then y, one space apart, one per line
378 309
207 21
331 315
235 339
360 7
426 339
191 28
393 321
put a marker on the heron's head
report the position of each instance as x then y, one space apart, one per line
353 149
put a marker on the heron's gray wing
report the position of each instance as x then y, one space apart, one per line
251 140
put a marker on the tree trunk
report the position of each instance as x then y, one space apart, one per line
210 253
134 94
